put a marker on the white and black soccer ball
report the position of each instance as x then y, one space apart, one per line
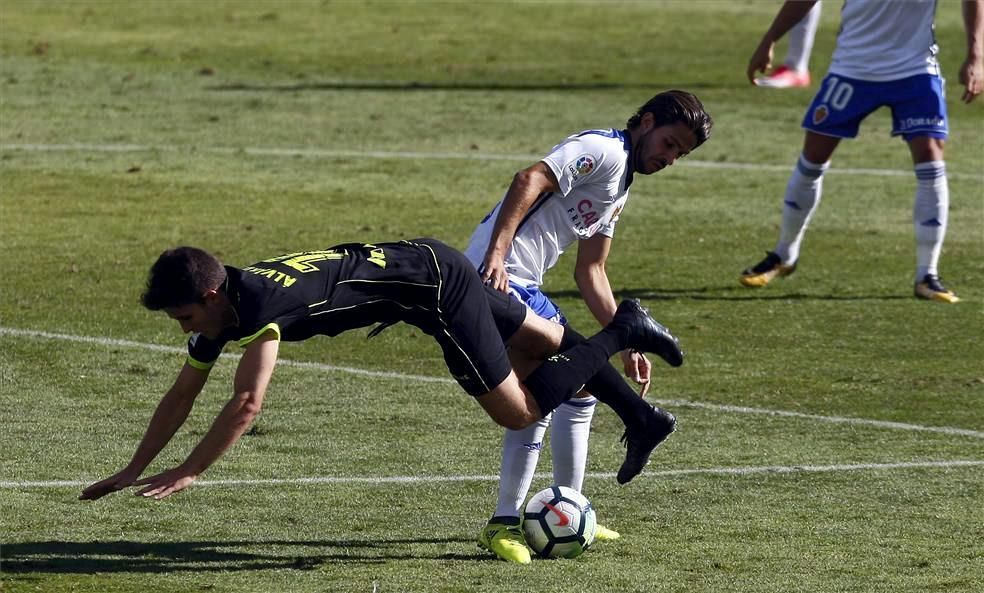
559 522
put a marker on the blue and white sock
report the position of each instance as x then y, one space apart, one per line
569 440
929 216
800 202
520 453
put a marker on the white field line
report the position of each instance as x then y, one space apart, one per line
324 153
949 430
833 419
710 471
24 333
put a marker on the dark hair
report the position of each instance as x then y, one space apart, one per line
672 107
181 276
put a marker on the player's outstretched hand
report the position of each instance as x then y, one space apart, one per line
972 77
165 484
111 484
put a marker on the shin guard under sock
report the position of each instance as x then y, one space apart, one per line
562 375
609 387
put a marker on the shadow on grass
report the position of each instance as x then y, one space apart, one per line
441 86
730 293
198 556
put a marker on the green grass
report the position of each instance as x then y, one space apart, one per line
491 86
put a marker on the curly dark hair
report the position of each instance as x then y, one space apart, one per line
675 106
181 276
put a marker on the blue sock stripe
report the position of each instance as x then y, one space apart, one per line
930 169
934 173
581 402
810 170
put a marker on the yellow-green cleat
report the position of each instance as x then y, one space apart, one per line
765 271
932 289
604 534
505 541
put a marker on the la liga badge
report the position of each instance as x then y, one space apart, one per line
582 165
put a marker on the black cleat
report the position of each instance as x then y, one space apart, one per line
646 334
640 443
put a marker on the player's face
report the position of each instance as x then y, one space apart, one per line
204 318
660 147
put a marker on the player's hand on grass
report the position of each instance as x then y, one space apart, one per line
111 484
165 484
637 368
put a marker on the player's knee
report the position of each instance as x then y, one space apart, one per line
926 149
537 338
518 423
514 420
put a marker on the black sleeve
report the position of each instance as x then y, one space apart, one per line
203 352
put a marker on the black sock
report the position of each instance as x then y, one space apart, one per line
562 375
609 387
505 520
611 339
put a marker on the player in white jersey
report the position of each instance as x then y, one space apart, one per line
593 177
574 194
885 56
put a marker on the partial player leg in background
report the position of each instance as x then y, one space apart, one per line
919 115
795 69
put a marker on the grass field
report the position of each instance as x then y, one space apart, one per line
831 426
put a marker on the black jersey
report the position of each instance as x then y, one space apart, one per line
422 282
299 295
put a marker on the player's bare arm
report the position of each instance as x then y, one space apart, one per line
791 13
972 70
591 277
526 186
250 385
171 413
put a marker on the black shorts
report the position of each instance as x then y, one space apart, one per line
473 322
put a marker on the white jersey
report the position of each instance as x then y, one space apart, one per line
594 174
882 40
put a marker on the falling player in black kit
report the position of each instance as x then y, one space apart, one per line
421 282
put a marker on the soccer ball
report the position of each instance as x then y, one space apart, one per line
559 522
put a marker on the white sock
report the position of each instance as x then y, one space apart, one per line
800 202
569 440
520 452
929 216
801 38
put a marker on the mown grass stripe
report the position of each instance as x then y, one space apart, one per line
379 480
949 430
326 153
